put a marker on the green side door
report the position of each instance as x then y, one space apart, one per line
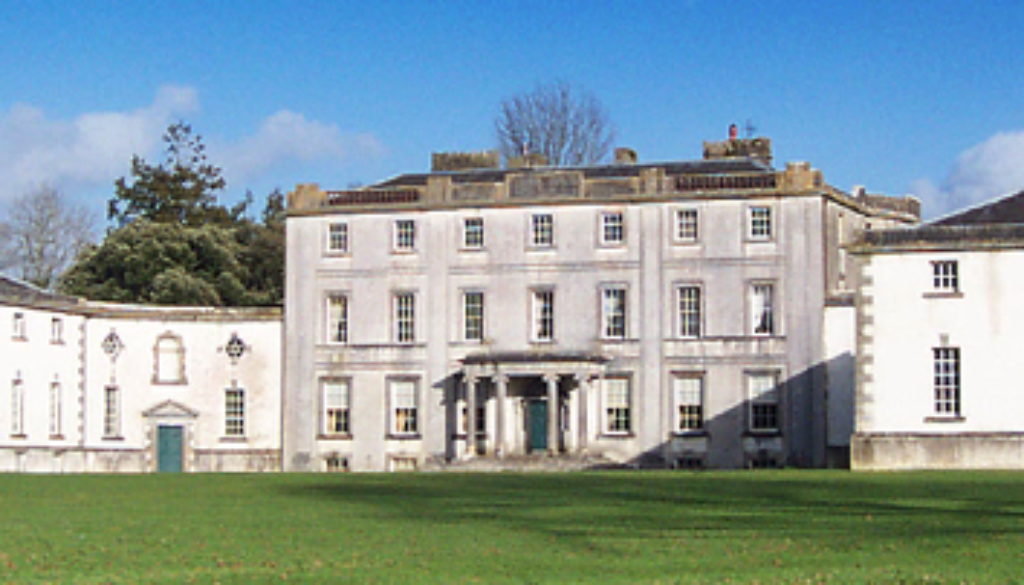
538 425
169 446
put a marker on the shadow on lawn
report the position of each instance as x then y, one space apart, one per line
659 505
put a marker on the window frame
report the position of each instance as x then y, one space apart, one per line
404 238
56 407
111 412
343 408
542 231
760 228
696 409
474 324
337 320
945 277
678 235
19 327
689 317
757 324
614 319
17 408
234 412
947 380
542 322
57 331
767 398
338 243
410 421
607 229
617 415
403 315
473 238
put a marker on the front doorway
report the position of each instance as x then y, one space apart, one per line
537 424
169 448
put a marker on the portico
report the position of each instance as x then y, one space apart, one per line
525 403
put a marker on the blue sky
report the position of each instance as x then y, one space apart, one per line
907 97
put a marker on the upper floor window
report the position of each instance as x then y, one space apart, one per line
762 308
542 230
337 237
613 228
764 402
473 315
613 312
760 223
57 330
946 276
473 233
543 318
169 360
405 235
405 317
689 311
336 401
18 327
337 318
686 225
947 381
688 395
234 412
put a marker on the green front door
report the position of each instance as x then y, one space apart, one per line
538 425
169 443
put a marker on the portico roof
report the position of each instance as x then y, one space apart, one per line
533 363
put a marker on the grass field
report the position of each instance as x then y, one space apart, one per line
743 527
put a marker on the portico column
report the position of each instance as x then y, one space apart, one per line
470 417
552 382
501 382
582 395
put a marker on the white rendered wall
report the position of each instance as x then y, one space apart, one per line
986 321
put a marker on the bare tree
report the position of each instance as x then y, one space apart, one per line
566 125
42 235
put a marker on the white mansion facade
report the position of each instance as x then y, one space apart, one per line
100 387
939 343
694 314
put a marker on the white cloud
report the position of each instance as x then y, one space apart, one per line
985 171
288 137
90 150
94 149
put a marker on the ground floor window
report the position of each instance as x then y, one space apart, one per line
111 411
336 400
764 401
617 405
234 412
404 411
17 408
689 402
947 381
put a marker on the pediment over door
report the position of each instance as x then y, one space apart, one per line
170 409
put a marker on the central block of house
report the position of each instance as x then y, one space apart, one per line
689 314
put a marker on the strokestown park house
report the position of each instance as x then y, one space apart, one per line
680 314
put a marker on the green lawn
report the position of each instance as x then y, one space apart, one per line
742 527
